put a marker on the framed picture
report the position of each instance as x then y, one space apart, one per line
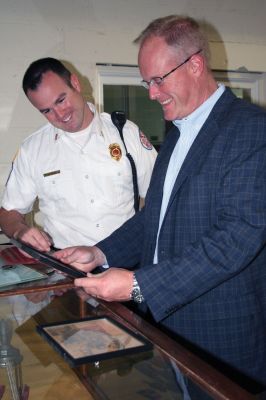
49 260
92 339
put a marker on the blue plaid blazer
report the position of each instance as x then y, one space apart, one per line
209 285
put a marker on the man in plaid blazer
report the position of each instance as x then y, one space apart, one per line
200 241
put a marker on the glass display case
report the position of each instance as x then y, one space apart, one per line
38 371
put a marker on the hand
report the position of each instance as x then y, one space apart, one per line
34 237
82 257
114 284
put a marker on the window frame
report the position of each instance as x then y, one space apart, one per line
110 74
119 74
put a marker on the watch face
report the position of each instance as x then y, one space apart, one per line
137 296
136 293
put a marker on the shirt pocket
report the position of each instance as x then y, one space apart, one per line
59 189
113 186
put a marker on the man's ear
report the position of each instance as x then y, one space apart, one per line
75 82
197 64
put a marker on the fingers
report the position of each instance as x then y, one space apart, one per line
42 241
76 256
35 238
71 255
66 255
89 285
80 255
111 285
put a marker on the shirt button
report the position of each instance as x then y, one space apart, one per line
92 200
97 225
87 176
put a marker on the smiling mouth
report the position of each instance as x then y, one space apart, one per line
165 102
67 119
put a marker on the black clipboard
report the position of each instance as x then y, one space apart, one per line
47 259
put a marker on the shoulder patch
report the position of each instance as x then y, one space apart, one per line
145 141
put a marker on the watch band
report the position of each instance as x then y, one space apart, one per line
136 295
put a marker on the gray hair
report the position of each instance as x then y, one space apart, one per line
180 32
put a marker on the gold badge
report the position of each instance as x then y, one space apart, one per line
115 151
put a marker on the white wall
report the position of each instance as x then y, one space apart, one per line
86 32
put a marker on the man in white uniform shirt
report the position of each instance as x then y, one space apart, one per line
75 165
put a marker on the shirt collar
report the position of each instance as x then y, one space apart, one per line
199 116
94 127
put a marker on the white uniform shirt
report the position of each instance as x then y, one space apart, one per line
84 193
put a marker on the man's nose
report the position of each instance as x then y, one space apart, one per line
153 92
59 112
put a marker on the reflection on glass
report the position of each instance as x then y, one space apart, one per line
25 306
10 363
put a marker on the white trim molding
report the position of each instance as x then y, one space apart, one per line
115 75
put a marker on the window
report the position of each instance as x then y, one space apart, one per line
247 85
119 89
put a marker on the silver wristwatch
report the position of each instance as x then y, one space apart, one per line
136 293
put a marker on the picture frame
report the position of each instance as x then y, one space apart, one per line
49 260
92 339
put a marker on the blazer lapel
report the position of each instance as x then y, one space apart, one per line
202 143
164 157
155 194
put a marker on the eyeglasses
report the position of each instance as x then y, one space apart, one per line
158 80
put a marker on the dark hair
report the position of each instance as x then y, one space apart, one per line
180 32
33 75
